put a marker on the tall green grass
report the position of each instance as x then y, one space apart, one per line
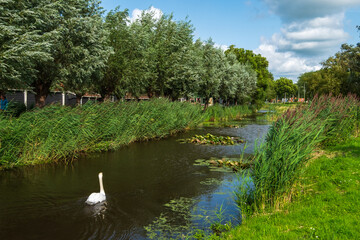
60 133
290 142
327 206
223 113
56 132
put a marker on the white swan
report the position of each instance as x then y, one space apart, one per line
95 198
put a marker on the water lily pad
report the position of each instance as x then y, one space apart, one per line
210 139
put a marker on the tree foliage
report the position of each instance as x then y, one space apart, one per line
285 87
46 41
260 65
340 74
70 46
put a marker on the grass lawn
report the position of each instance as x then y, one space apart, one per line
327 205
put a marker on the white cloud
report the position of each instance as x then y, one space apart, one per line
136 13
301 46
222 47
317 36
285 64
312 31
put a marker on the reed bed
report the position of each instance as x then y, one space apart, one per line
60 133
224 113
289 143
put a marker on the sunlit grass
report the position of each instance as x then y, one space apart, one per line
325 206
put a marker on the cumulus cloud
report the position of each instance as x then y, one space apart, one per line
317 36
136 13
311 32
285 64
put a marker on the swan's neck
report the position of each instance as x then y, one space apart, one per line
101 185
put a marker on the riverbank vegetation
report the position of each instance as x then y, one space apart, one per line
60 133
279 164
324 204
220 113
56 133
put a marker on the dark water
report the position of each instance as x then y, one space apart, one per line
47 202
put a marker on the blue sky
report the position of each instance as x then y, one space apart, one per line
295 36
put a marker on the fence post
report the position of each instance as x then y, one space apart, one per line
25 98
63 98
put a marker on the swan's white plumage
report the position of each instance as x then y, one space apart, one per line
95 198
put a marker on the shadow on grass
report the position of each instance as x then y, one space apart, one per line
348 149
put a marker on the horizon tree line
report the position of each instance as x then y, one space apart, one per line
73 46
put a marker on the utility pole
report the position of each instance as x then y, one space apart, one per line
304 92
298 93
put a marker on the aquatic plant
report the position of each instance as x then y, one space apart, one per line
219 225
210 139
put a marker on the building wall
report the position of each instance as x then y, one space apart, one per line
52 98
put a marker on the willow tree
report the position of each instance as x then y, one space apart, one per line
246 84
185 78
228 81
44 42
212 60
172 41
84 51
177 61
238 82
260 65
21 47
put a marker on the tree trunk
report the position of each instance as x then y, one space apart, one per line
150 93
206 103
42 90
78 99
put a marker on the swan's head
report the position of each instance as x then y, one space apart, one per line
100 174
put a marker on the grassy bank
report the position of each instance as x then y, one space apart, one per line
293 193
60 133
290 141
326 201
275 110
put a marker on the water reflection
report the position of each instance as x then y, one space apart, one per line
96 210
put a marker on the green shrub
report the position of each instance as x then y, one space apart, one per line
15 109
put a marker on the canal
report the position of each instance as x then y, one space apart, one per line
155 185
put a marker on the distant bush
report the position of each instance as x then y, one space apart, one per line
15 109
